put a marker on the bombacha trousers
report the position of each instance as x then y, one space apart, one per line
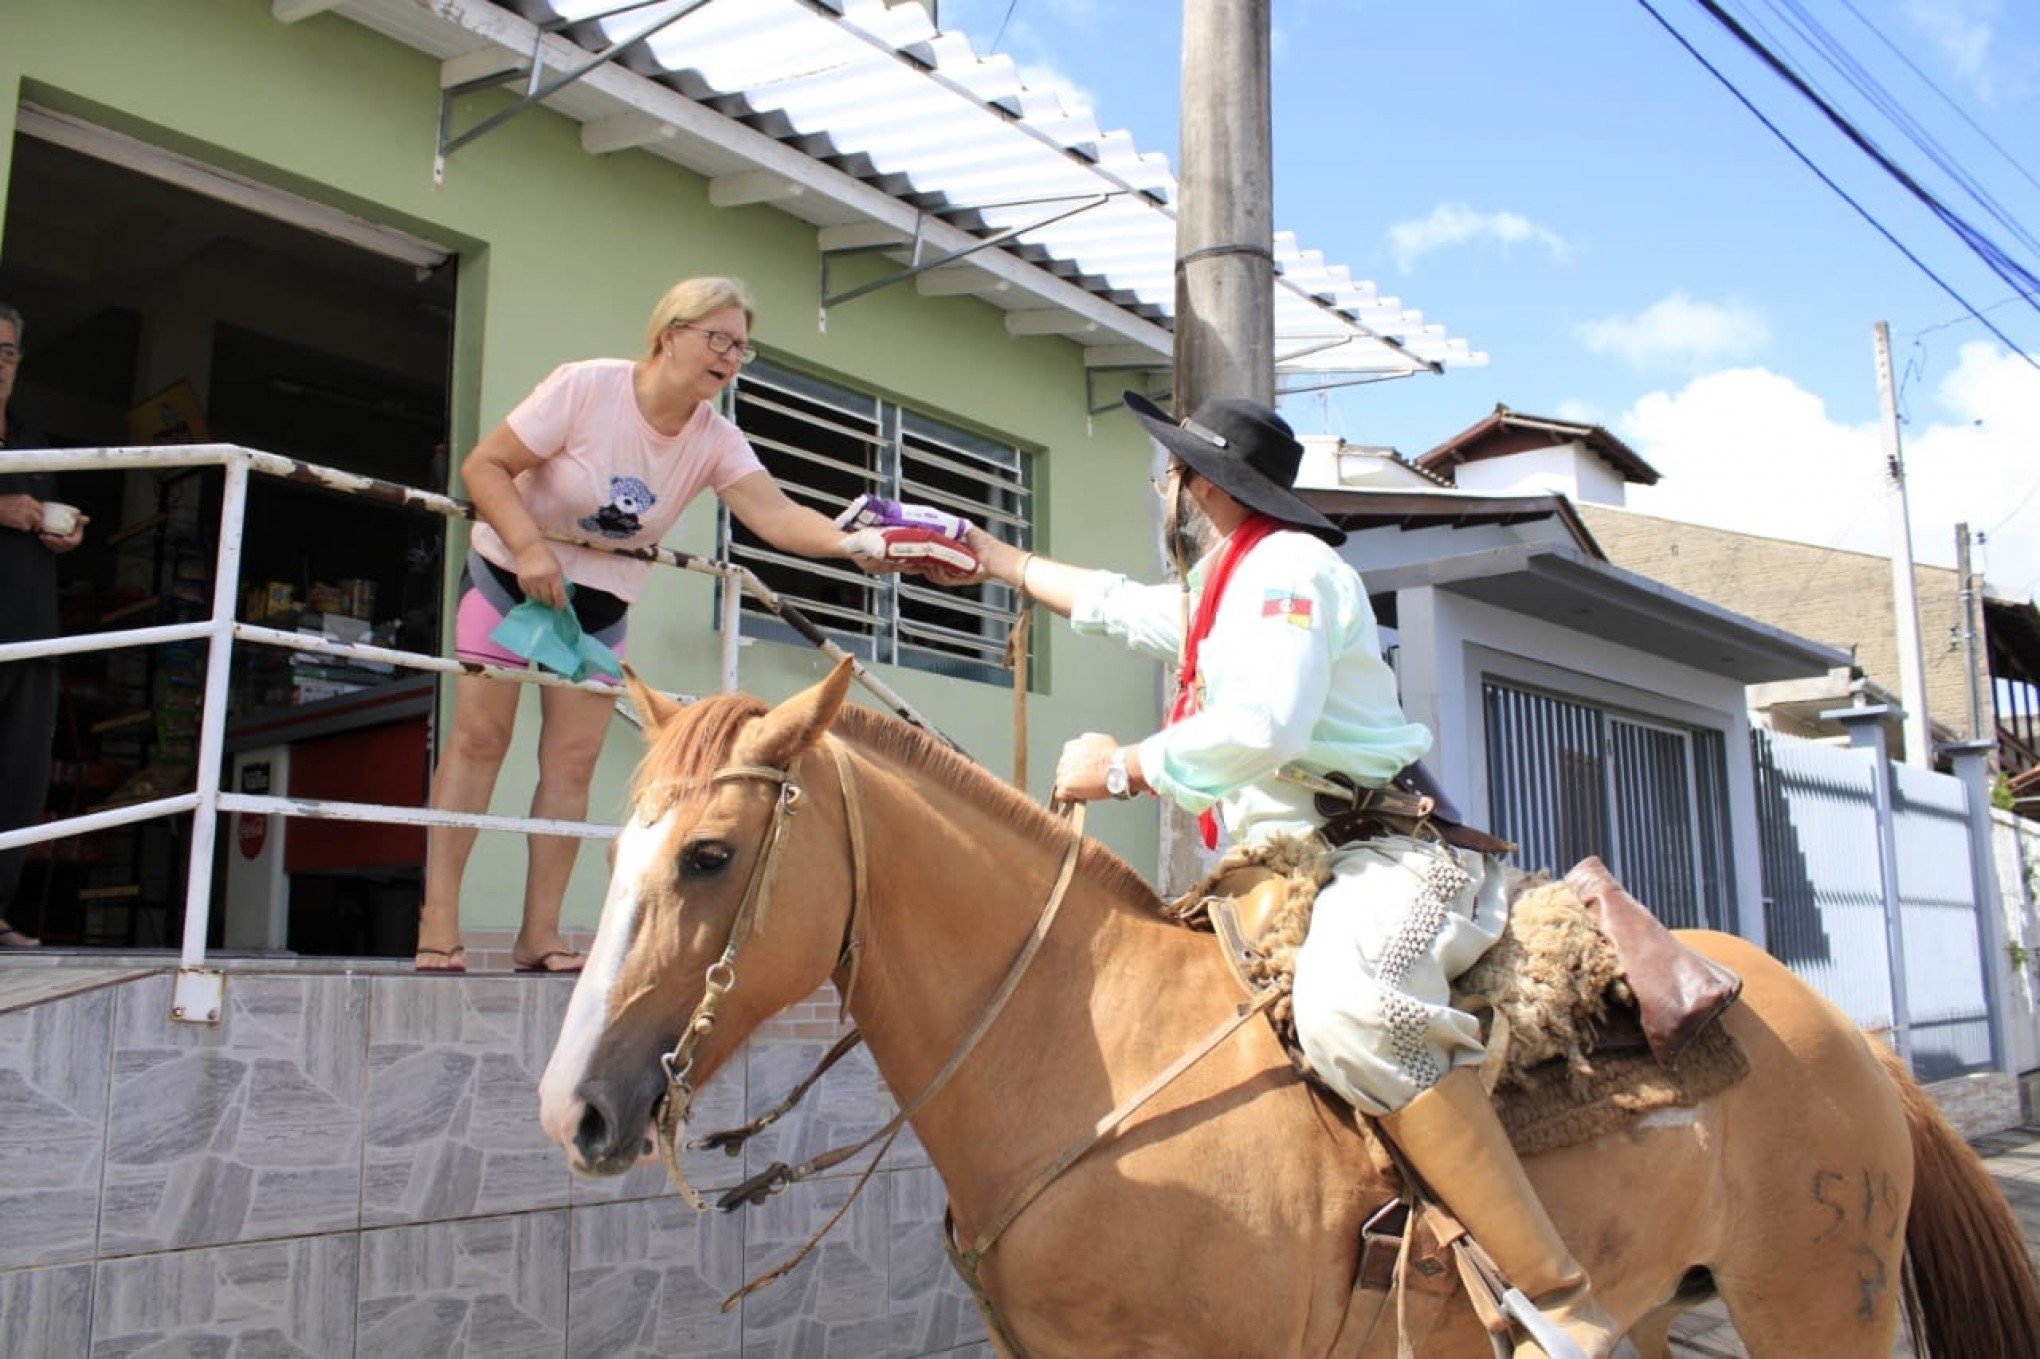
1400 919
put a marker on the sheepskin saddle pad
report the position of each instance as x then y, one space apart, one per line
1566 1061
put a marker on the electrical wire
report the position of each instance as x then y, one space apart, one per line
1838 190
2018 276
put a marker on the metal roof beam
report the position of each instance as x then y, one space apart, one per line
536 93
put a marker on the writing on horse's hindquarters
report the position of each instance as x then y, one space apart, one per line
1225 1217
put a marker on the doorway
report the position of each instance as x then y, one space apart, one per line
166 303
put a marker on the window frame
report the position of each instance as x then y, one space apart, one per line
912 455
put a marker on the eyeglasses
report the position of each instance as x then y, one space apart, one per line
720 342
10 353
1165 481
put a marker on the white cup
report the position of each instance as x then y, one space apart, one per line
58 519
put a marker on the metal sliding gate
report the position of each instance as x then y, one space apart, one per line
1566 780
1824 900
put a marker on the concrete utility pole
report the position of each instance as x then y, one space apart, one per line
1225 258
1912 666
1974 665
1225 235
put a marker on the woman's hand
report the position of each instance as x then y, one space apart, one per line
540 577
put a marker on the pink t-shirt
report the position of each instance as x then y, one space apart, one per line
607 475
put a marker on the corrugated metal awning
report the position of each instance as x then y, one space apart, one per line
863 118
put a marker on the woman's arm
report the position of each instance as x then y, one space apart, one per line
781 520
490 473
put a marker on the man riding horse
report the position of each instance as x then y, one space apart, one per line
1283 697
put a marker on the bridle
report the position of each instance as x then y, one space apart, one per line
721 978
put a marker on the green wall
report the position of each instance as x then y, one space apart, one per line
562 254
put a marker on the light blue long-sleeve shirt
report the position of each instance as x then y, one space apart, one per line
1291 671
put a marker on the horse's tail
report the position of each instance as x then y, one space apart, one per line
1970 1288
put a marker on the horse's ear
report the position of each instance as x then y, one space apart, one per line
776 738
654 708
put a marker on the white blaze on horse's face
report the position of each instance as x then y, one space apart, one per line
637 854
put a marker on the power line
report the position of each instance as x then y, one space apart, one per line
2001 264
1000 36
1838 190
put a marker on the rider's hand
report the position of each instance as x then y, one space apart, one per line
540 577
1080 772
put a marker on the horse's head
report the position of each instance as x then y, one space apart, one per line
720 813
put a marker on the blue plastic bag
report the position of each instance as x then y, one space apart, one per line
553 640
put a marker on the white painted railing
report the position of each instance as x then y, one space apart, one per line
198 994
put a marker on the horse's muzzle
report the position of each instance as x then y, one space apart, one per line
610 1135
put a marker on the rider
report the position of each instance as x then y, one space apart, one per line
1283 684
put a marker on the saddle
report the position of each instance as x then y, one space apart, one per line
1582 969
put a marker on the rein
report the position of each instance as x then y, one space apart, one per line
721 978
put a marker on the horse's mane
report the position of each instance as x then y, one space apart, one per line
952 771
697 743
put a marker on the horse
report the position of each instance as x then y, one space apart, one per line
1821 1197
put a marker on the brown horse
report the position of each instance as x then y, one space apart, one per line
1224 1216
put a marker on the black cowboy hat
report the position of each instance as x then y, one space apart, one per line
1246 450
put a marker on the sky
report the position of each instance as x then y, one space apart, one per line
1569 190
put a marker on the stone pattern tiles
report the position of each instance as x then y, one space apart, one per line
649 1278
351 1164
490 1288
240 1131
452 1110
46 1311
55 1064
269 1298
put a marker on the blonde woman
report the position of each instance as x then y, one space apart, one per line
610 450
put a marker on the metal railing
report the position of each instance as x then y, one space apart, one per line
198 994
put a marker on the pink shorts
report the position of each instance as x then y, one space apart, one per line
476 618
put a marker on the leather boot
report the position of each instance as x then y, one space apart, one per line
1451 1135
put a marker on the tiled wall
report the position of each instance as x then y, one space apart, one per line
351 1164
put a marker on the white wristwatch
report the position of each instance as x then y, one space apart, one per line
1117 781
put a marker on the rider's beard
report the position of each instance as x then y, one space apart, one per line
1186 533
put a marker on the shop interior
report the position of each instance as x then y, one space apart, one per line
165 306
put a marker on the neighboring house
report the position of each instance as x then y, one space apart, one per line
1579 708
1838 597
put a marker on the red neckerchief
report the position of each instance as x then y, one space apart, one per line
1237 545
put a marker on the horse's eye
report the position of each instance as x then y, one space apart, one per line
704 858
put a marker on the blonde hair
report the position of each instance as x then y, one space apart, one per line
693 298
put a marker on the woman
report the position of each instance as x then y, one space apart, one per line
610 450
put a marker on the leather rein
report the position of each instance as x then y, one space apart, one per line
721 978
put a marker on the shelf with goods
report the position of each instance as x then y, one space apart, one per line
128 722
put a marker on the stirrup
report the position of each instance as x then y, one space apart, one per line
1545 1333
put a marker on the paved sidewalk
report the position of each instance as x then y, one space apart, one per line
2014 1160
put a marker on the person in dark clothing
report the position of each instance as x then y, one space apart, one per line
28 612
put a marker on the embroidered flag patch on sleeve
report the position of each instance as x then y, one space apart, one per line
1292 609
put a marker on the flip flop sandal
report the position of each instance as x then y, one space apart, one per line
454 966
543 963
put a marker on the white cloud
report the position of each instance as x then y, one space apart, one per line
1678 329
1576 412
1961 32
1751 450
1453 224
